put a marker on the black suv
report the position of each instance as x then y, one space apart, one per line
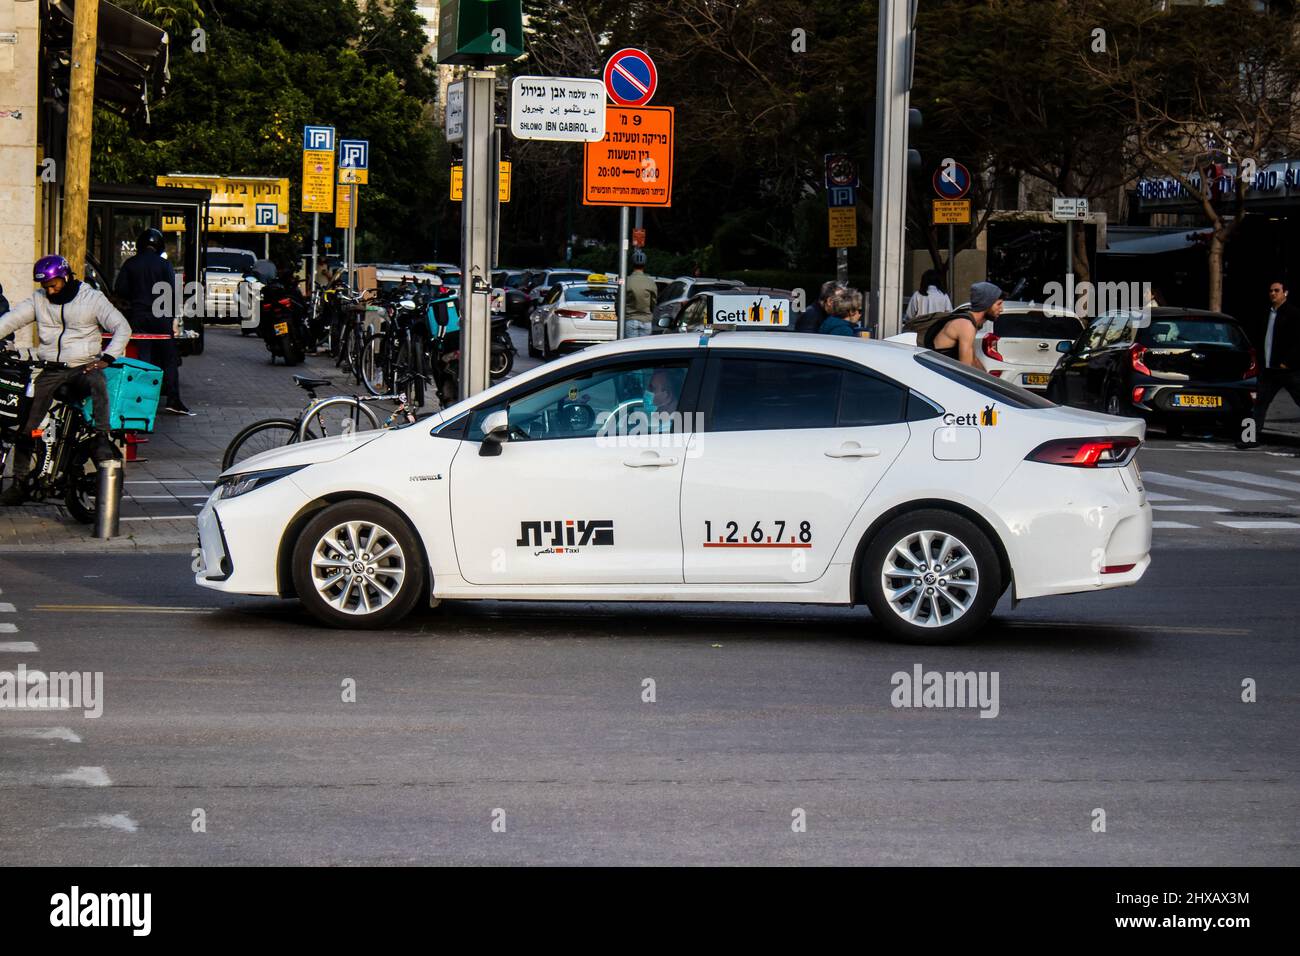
1179 368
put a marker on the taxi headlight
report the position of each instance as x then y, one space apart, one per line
237 485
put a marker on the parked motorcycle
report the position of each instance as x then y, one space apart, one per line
282 323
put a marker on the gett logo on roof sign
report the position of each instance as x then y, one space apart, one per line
749 310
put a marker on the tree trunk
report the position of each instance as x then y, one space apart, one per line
1214 265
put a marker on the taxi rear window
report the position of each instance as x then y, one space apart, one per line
579 293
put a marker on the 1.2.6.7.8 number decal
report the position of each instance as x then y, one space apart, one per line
770 534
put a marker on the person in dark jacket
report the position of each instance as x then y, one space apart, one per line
844 308
1279 361
151 311
814 315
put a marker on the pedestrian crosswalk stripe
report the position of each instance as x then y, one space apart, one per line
1157 496
1250 525
1171 524
8 628
6 607
43 733
1209 487
1215 508
17 647
1248 478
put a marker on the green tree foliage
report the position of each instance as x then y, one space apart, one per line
273 66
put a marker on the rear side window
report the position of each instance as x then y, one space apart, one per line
1037 325
1190 331
582 293
1010 395
763 394
675 291
777 394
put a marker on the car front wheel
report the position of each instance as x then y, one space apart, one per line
931 577
357 564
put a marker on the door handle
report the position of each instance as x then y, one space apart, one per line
853 450
649 461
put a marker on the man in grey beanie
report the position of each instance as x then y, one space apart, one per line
956 337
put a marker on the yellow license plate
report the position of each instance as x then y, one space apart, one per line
604 316
1035 378
1198 401
282 328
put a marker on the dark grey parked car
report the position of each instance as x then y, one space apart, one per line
681 289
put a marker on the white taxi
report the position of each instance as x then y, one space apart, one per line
738 466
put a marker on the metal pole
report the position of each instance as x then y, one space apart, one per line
1069 247
952 264
622 272
495 223
266 245
315 242
842 264
476 221
109 499
81 107
352 237
893 81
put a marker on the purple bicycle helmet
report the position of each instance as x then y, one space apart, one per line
51 267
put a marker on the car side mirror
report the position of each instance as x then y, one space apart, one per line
1064 346
496 432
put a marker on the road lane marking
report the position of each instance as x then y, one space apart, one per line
1157 496
1260 525
108 821
17 647
90 776
1248 478
1215 508
1168 525
1162 628
121 609
44 733
1209 487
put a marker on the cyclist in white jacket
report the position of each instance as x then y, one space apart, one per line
69 317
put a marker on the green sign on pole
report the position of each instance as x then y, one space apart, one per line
474 31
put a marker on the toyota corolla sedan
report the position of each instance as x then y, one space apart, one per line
572 316
738 466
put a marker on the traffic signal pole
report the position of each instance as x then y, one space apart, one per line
475 235
889 199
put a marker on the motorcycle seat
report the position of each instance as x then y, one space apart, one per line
302 381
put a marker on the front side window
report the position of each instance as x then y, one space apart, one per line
630 398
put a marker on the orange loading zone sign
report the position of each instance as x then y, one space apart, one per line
633 164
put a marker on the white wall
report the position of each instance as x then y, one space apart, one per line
18 193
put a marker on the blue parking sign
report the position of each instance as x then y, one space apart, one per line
354 154
267 214
318 138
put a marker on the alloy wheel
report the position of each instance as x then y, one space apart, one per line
930 578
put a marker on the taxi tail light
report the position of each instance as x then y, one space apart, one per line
1253 369
570 313
1138 393
1136 354
991 347
1086 452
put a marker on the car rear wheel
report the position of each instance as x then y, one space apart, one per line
931 577
357 564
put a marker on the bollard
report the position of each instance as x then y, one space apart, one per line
108 503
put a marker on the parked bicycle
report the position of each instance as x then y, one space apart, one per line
320 418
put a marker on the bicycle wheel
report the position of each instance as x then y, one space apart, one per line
375 363
341 416
259 437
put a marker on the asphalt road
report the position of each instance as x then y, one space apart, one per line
1127 701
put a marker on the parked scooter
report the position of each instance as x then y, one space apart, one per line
283 315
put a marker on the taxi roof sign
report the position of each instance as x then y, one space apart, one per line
750 310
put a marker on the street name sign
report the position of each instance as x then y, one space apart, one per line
559 108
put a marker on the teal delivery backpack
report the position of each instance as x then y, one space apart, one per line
134 388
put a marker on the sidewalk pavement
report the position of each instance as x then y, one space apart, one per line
231 384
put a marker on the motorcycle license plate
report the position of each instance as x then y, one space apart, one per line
282 328
1198 401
